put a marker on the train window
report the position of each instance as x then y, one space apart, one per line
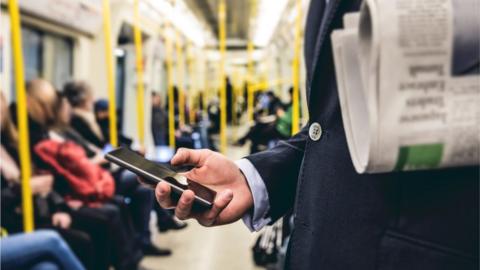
47 56
57 59
32 50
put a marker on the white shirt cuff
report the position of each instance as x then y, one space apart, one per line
261 205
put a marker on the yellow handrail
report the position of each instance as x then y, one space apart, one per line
22 118
223 95
207 87
112 107
250 81
171 111
180 82
191 84
296 70
235 97
137 35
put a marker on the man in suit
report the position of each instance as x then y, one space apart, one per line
343 220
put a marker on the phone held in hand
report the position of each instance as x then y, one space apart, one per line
151 173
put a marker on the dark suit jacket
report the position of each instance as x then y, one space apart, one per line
343 220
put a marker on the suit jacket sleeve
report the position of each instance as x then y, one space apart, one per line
279 168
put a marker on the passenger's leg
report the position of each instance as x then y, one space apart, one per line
46 265
140 205
25 250
125 252
81 244
166 220
97 226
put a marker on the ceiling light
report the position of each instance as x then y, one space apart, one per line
268 16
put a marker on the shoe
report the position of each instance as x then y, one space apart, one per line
151 250
172 224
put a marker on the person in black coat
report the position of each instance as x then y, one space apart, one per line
343 220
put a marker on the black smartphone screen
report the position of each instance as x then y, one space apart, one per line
151 173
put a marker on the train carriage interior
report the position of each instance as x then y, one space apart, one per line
239 134
82 77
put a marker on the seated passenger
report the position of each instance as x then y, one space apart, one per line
126 182
80 96
276 128
105 219
40 250
50 210
102 118
165 220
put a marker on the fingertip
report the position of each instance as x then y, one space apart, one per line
177 157
162 189
188 196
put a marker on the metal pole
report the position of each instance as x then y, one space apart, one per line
23 147
223 95
296 70
180 82
250 81
191 84
139 64
171 112
112 107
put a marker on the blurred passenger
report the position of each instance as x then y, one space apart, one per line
80 96
87 187
159 123
141 198
182 132
62 129
40 250
50 210
102 117
270 129
274 103
214 116
229 97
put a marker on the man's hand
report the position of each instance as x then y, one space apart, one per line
214 170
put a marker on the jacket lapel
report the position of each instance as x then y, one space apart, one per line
327 19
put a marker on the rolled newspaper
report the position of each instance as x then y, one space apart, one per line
409 85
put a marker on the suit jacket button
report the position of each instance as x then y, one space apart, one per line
315 131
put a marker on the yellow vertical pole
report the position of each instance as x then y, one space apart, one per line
250 81
296 69
191 83
171 101
180 78
112 107
223 95
139 64
24 147
207 86
234 97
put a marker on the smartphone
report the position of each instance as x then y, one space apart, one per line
152 173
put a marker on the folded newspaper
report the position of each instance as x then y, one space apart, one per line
409 85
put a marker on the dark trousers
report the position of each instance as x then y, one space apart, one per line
139 200
112 229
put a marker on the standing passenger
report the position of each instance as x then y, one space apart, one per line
343 220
